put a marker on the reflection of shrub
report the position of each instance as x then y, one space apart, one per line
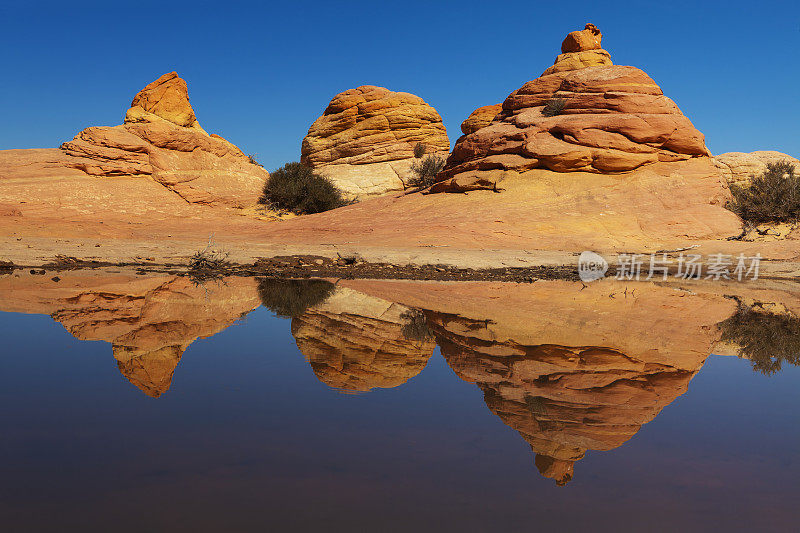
553 107
289 298
296 188
416 326
419 150
774 196
767 339
425 171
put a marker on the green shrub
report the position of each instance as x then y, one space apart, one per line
419 150
553 107
766 339
289 298
295 187
425 171
774 196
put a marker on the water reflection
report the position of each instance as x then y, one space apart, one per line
149 321
570 368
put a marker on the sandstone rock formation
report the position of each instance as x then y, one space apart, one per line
355 342
364 141
739 167
162 140
480 118
581 114
149 321
168 98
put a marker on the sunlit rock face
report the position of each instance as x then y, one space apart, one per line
364 141
739 168
583 114
160 142
150 321
356 343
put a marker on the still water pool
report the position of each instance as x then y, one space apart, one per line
151 403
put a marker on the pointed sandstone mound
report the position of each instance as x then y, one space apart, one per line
582 114
364 141
162 139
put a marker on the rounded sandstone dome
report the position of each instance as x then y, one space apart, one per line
371 124
480 118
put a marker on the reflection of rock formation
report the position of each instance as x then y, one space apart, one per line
355 342
151 371
562 400
570 369
150 321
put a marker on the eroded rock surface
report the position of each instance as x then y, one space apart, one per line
364 141
739 167
480 118
160 141
582 114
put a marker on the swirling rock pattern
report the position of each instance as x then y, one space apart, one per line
365 139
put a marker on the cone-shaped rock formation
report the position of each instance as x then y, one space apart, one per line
581 114
161 139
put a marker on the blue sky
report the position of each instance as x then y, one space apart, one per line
260 73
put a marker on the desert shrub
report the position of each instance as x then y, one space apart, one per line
208 264
766 339
553 107
416 326
419 150
252 159
425 171
289 298
774 196
295 187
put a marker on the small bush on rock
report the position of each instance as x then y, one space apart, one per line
774 196
295 187
553 107
419 150
208 264
425 171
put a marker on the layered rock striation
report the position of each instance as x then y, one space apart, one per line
582 114
480 118
161 139
356 343
364 141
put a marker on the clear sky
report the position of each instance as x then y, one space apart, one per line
260 73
